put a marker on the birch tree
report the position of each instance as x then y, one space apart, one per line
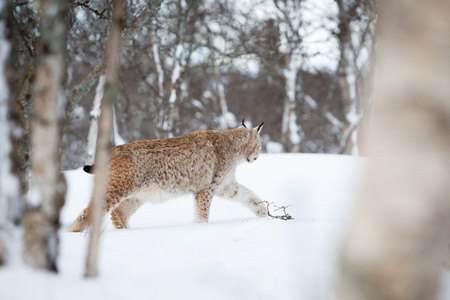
8 186
179 64
20 72
353 44
160 72
398 238
41 219
104 137
290 15
347 73
93 126
225 118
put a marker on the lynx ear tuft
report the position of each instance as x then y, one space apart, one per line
258 129
243 124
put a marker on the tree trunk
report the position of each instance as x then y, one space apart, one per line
347 80
224 120
104 138
397 240
160 71
41 220
5 167
117 139
291 132
20 112
94 116
172 116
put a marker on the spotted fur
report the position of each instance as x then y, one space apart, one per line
202 163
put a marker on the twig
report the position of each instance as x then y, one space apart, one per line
285 216
86 5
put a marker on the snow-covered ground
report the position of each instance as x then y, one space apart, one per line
235 256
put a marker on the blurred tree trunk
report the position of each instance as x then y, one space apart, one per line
104 137
20 111
397 240
5 167
41 219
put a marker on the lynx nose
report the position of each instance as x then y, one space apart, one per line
251 160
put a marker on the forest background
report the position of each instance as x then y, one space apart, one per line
299 66
158 69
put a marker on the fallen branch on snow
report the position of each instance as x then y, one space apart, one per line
285 216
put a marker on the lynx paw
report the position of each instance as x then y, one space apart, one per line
260 209
261 212
117 221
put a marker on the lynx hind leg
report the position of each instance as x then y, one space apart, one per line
121 180
121 213
82 222
240 193
203 204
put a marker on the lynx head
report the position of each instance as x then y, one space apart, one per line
254 145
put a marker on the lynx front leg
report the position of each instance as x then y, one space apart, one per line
124 211
240 193
203 203
82 222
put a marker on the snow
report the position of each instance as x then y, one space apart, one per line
159 69
333 120
311 102
274 147
165 255
99 91
118 140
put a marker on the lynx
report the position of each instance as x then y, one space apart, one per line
202 163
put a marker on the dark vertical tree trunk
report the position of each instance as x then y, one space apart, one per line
41 219
19 115
395 246
4 130
104 137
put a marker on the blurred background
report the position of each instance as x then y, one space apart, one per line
299 66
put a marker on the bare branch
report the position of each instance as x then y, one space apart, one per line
128 34
285 216
85 5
